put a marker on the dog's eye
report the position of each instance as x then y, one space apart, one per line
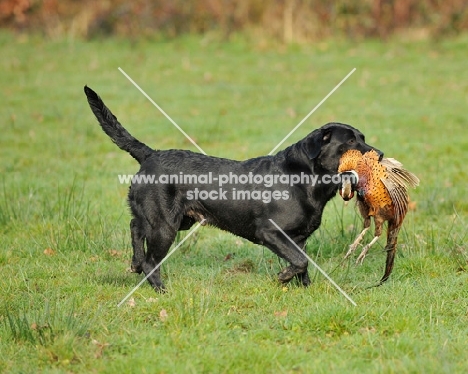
351 141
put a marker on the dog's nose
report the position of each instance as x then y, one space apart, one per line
379 152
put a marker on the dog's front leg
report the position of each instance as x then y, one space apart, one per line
281 245
303 278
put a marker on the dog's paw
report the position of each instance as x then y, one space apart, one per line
285 275
135 269
160 288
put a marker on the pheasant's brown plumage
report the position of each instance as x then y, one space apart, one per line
382 194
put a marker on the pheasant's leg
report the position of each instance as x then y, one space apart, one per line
378 221
354 245
363 254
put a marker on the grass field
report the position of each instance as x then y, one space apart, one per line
65 241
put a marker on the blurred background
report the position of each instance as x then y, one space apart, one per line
284 20
237 76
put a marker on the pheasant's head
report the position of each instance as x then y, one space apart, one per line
346 191
349 181
349 176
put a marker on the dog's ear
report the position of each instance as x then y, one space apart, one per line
314 142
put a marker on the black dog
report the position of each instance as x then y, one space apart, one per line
161 209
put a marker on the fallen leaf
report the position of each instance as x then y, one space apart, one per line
163 315
115 253
284 313
131 302
100 346
291 112
152 300
228 256
367 330
34 326
49 252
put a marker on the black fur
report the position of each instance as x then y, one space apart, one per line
160 210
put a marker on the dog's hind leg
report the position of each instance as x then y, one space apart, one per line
158 243
138 240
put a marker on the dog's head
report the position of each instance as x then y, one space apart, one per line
327 144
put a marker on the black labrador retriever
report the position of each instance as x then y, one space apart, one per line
177 188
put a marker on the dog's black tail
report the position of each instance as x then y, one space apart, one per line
115 130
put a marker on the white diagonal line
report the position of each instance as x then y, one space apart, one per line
162 111
162 261
313 263
312 111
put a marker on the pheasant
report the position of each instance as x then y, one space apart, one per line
381 193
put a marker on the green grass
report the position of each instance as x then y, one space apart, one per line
64 222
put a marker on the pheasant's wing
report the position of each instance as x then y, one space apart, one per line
399 196
396 181
398 174
391 162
